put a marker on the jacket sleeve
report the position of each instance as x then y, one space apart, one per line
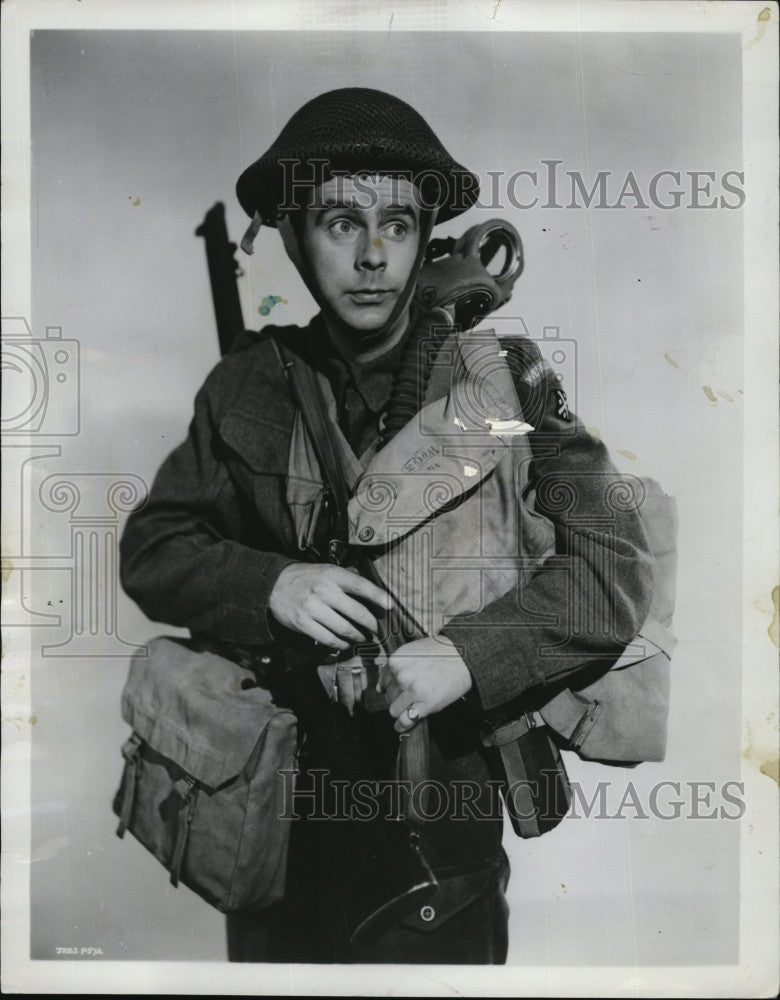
590 599
181 559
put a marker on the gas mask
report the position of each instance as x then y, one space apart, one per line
460 282
473 275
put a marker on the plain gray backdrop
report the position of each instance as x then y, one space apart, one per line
135 135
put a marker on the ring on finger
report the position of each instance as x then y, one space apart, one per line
412 714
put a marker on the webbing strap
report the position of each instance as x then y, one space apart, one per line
506 739
306 390
397 627
567 714
511 731
519 788
130 751
188 792
413 767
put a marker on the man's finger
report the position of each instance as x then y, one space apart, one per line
350 683
360 587
353 610
386 677
400 704
335 623
409 718
402 671
322 635
393 691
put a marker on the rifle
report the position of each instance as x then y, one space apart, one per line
224 272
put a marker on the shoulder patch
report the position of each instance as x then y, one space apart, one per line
562 405
535 372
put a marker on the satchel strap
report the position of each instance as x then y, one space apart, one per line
307 393
519 787
569 716
513 730
187 791
413 766
505 739
130 751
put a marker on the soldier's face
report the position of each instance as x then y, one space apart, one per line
360 238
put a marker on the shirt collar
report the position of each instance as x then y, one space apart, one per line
373 379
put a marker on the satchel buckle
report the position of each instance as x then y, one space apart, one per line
130 751
187 790
583 727
336 550
131 747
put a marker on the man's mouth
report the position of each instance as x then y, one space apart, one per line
370 296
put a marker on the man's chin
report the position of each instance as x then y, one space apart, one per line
364 325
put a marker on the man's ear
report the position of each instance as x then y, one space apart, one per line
293 244
298 221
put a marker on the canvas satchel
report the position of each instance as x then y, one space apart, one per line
203 786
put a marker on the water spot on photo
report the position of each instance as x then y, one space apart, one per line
269 302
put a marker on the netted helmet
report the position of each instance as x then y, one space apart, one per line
358 130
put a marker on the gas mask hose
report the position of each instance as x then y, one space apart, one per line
428 333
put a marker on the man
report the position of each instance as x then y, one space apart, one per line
234 542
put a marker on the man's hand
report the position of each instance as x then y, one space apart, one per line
423 676
327 603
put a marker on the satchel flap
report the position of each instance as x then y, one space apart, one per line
622 716
190 707
659 518
446 450
567 710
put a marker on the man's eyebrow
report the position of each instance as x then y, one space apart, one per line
399 209
333 202
354 206
335 205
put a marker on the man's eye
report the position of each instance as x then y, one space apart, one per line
342 227
395 230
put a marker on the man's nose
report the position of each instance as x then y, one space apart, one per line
371 252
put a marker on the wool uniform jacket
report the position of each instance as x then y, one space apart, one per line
206 549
